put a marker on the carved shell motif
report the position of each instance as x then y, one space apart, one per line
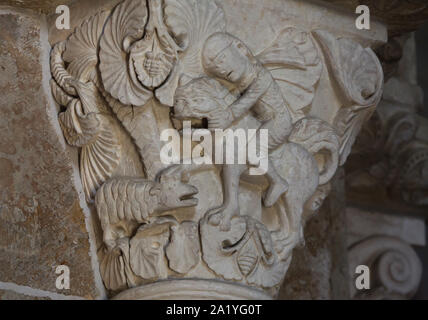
113 266
136 55
190 22
123 27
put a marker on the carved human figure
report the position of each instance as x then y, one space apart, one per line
115 74
226 57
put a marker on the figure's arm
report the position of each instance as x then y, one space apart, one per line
223 118
251 95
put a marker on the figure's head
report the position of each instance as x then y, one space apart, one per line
197 98
226 57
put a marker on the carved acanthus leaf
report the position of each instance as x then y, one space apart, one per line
359 75
184 248
294 62
147 249
245 253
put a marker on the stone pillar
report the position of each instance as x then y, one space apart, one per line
130 72
44 222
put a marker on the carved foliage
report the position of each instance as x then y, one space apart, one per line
359 76
123 27
141 50
245 253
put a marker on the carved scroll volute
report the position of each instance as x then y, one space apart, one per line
395 268
359 76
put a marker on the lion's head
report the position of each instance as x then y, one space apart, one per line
198 97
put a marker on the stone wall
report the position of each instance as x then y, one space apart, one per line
43 220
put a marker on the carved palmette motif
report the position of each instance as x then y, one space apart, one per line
154 56
116 77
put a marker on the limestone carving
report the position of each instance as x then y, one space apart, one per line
361 85
124 76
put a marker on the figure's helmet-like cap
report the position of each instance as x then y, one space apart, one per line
214 45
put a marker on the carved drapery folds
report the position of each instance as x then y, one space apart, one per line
119 72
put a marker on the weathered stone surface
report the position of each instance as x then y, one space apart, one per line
11 295
367 223
42 224
44 6
319 270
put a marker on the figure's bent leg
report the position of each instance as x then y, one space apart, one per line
277 186
222 216
279 129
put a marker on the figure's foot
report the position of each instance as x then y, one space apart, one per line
222 217
276 189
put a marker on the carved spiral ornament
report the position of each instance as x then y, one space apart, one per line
394 266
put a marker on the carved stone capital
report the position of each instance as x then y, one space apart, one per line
127 74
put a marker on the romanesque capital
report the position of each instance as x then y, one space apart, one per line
209 229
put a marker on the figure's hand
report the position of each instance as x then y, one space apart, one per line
220 119
172 191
